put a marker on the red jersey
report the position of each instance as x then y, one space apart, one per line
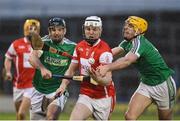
93 56
19 51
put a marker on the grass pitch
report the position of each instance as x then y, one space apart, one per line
149 114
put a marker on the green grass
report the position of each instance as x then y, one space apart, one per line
150 114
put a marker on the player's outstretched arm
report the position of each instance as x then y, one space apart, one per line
36 63
120 63
7 66
117 51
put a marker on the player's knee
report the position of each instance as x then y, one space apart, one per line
53 112
51 117
21 116
130 116
75 117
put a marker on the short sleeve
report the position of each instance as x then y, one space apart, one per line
75 57
122 44
137 47
11 52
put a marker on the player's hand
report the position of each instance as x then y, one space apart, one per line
94 74
103 70
60 91
101 80
8 76
46 74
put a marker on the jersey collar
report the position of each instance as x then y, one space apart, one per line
98 41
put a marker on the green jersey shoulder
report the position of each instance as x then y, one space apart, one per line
150 63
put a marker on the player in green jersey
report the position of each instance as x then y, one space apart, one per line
156 84
47 63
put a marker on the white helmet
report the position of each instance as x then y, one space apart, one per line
94 21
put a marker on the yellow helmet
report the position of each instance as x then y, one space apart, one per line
31 22
138 23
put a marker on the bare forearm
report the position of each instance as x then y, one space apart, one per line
119 64
35 62
7 65
65 82
70 72
117 51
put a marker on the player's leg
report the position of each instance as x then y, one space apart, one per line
36 112
165 114
17 98
102 108
113 103
17 106
80 112
83 109
138 103
53 112
56 106
25 105
24 108
166 100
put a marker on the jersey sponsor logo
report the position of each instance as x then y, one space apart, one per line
56 61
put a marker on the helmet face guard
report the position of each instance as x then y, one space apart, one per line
138 23
29 23
93 21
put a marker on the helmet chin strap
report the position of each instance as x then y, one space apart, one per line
91 41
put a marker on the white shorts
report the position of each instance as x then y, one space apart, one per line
163 94
100 108
19 93
37 101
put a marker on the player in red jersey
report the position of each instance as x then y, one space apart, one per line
18 53
95 100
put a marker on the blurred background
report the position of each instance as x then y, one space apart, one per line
163 17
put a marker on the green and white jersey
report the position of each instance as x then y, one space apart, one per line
152 68
57 64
